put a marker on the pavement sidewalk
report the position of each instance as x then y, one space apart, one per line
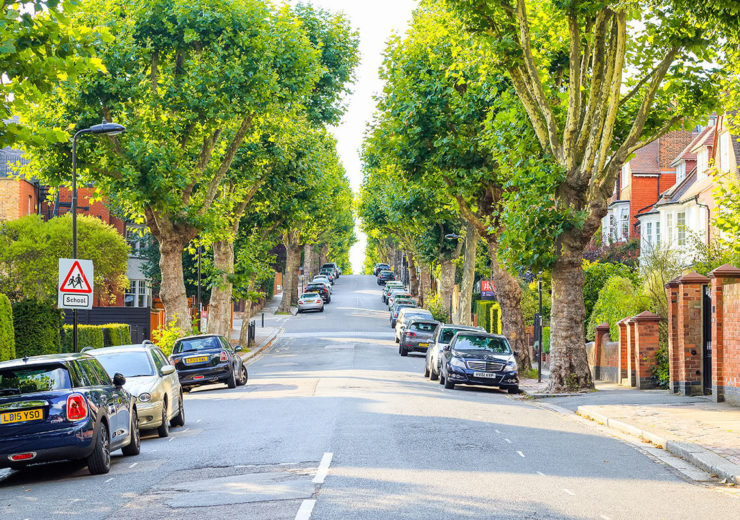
264 336
705 433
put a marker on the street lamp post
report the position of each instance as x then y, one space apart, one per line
541 335
103 128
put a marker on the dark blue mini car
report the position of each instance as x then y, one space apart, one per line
64 407
208 359
479 358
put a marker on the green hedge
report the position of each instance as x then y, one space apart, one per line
36 326
116 334
97 336
489 315
546 340
7 335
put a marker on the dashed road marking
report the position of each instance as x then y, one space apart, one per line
304 512
507 440
541 474
520 454
569 492
134 464
171 439
109 480
604 517
497 431
323 468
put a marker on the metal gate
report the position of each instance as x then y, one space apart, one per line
707 340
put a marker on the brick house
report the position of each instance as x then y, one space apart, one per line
19 196
642 180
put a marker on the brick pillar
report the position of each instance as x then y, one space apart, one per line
690 339
631 350
623 352
721 277
601 333
646 346
672 296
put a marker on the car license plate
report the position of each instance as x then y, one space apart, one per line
23 416
193 360
484 375
423 344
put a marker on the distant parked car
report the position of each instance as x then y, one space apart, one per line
478 358
64 407
320 288
310 302
151 379
442 338
389 286
324 279
417 336
206 359
407 313
334 267
329 273
396 309
398 293
386 276
380 267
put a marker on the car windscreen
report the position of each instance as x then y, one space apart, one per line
130 364
30 379
421 326
482 344
315 288
446 334
327 266
195 344
309 296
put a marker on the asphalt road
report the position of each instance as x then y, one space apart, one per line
334 424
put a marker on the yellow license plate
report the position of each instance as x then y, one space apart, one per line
423 344
23 416
193 360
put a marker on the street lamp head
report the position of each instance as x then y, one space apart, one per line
107 128
452 236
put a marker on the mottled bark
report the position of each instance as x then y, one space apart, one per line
219 307
310 262
413 277
323 254
464 316
244 332
447 284
425 286
172 287
290 277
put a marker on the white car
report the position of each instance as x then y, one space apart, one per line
310 302
398 293
442 338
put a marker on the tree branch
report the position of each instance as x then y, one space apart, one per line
574 90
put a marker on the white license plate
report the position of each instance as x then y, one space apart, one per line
484 375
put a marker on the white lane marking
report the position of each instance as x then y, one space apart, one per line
171 439
304 512
109 480
198 421
497 431
520 454
134 464
568 491
540 474
507 440
323 468
604 517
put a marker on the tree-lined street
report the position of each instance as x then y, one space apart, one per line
399 446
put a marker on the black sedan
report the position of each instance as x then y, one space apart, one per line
386 276
207 359
321 289
478 358
64 407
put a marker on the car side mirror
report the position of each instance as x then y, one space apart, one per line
167 370
446 348
119 379
516 353
238 348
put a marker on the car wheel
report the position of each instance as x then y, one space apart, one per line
98 463
299 311
513 389
164 428
243 376
133 447
426 369
433 375
441 378
179 419
328 300
186 389
231 380
402 350
321 309
449 385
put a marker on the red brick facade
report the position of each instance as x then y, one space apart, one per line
16 197
647 342
726 334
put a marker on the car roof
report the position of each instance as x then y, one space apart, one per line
469 328
138 347
421 319
45 358
195 336
484 334
416 310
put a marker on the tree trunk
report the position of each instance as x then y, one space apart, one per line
323 255
425 286
219 315
569 369
413 278
468 280
244 332
310 267
290 278
509 296
447 285
172 288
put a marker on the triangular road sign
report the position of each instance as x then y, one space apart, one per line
75 281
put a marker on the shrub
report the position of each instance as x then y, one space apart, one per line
597 274
438 310
117 334
546 340
7 334
618 299
37 328
87 336
489 315
165 338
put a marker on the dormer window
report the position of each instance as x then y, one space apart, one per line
680 171
702 163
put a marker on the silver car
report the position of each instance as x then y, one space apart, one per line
310 302
151 378
405 314
442 338
417 336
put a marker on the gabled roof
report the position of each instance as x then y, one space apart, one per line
706 138
688 153
646 159
676 192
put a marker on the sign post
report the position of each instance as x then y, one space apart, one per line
75 289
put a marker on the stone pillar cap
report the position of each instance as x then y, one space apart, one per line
693 278
673 283
646 316
602 327
624 321
725 271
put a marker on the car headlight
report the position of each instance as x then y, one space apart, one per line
511 365
459 363
144 397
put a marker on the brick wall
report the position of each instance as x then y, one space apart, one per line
644 193
673 144
730 355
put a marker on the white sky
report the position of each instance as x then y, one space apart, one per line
376 20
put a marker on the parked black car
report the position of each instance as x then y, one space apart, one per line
386 276
207 359
64 407
477 358
321 289
334 267
380 267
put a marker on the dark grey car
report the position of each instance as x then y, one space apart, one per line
417 336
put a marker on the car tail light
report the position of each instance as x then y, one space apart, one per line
411 334
318 301
23 456
224 356
76 407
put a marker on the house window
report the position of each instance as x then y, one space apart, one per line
30 204
657 234
649 233
136 241
137 294
669 227
680 171
702 163
681 224
625 225
724 152
612 227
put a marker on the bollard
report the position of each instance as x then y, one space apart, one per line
263 320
